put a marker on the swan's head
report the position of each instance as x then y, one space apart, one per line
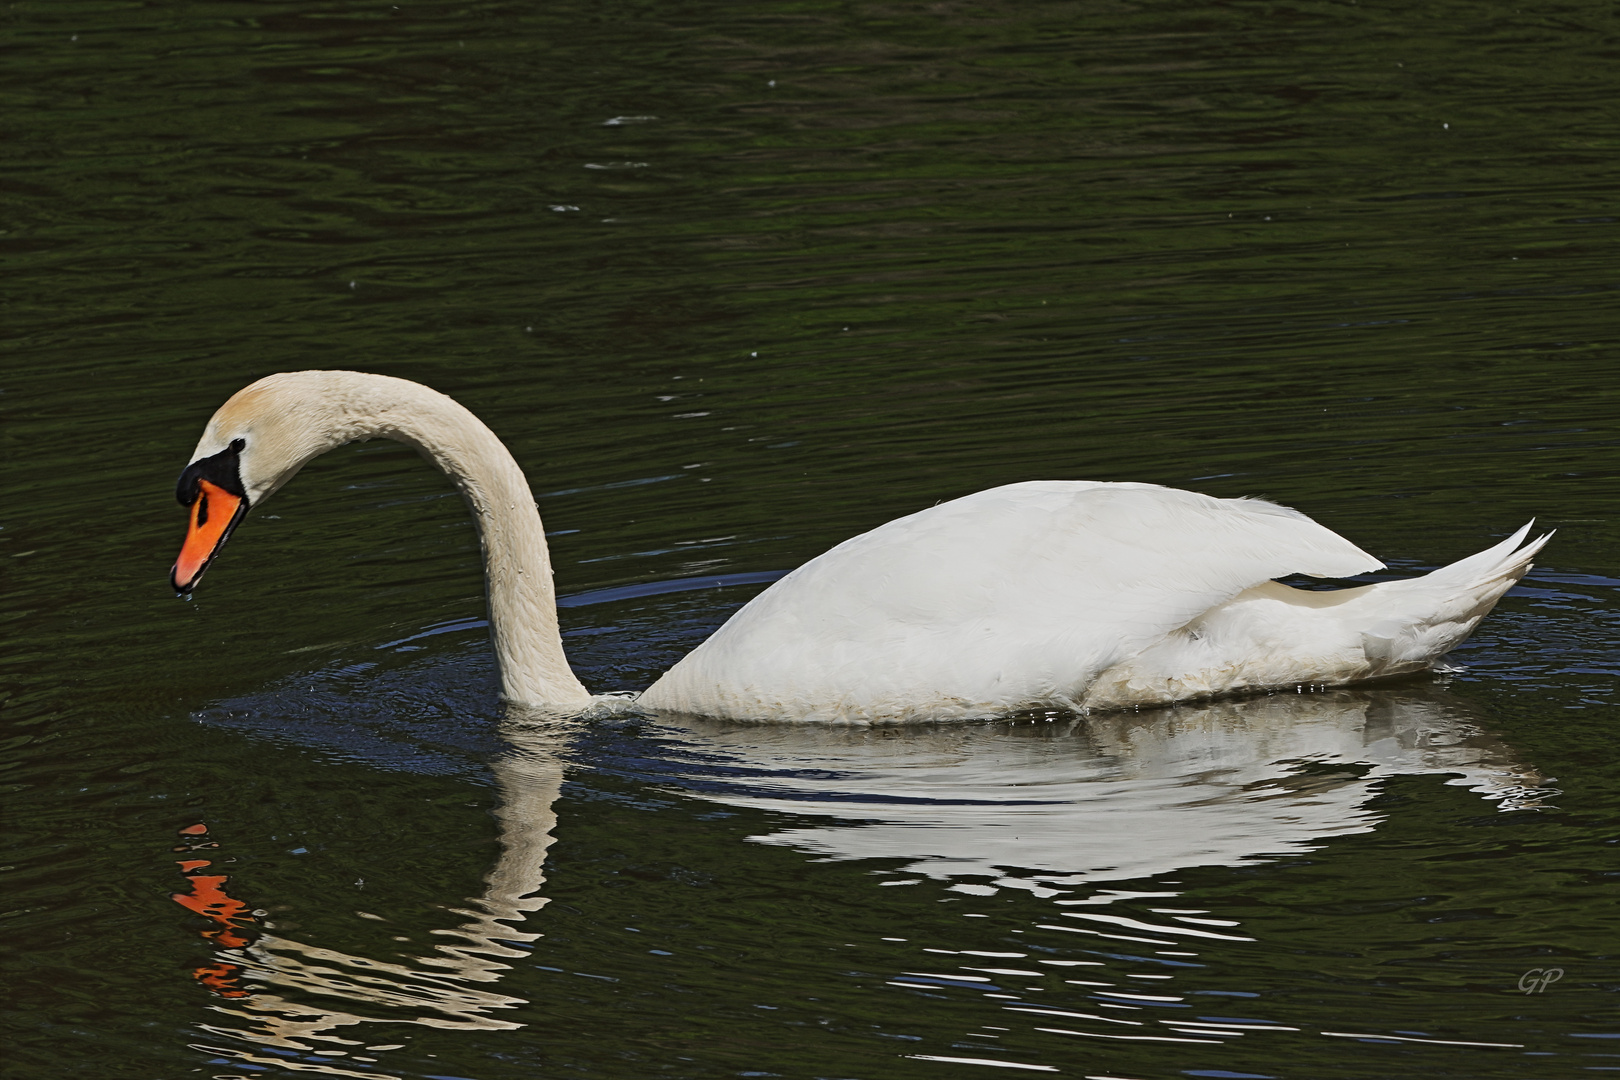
255 443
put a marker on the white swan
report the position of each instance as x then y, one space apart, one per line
1069 594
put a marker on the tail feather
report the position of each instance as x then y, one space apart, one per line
1421 619
1506 560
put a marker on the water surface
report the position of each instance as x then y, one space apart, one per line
736 283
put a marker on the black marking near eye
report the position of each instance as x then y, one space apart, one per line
223 470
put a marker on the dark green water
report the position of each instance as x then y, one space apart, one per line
736 282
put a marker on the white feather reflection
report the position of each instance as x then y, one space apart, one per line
1108 796
1066 808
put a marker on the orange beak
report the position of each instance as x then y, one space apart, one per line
213 516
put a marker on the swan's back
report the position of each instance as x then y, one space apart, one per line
1009 598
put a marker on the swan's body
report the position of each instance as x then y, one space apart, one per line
1077 595
1056 594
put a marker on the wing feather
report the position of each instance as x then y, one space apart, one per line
1015 596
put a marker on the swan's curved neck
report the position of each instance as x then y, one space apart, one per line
517 562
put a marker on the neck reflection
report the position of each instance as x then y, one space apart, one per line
284 989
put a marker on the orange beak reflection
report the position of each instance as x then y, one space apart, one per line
213 516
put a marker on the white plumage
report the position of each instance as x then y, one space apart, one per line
1074 594
1051 594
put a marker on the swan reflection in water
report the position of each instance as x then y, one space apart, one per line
1113 795
1051 805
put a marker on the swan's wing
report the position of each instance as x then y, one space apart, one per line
1015 596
